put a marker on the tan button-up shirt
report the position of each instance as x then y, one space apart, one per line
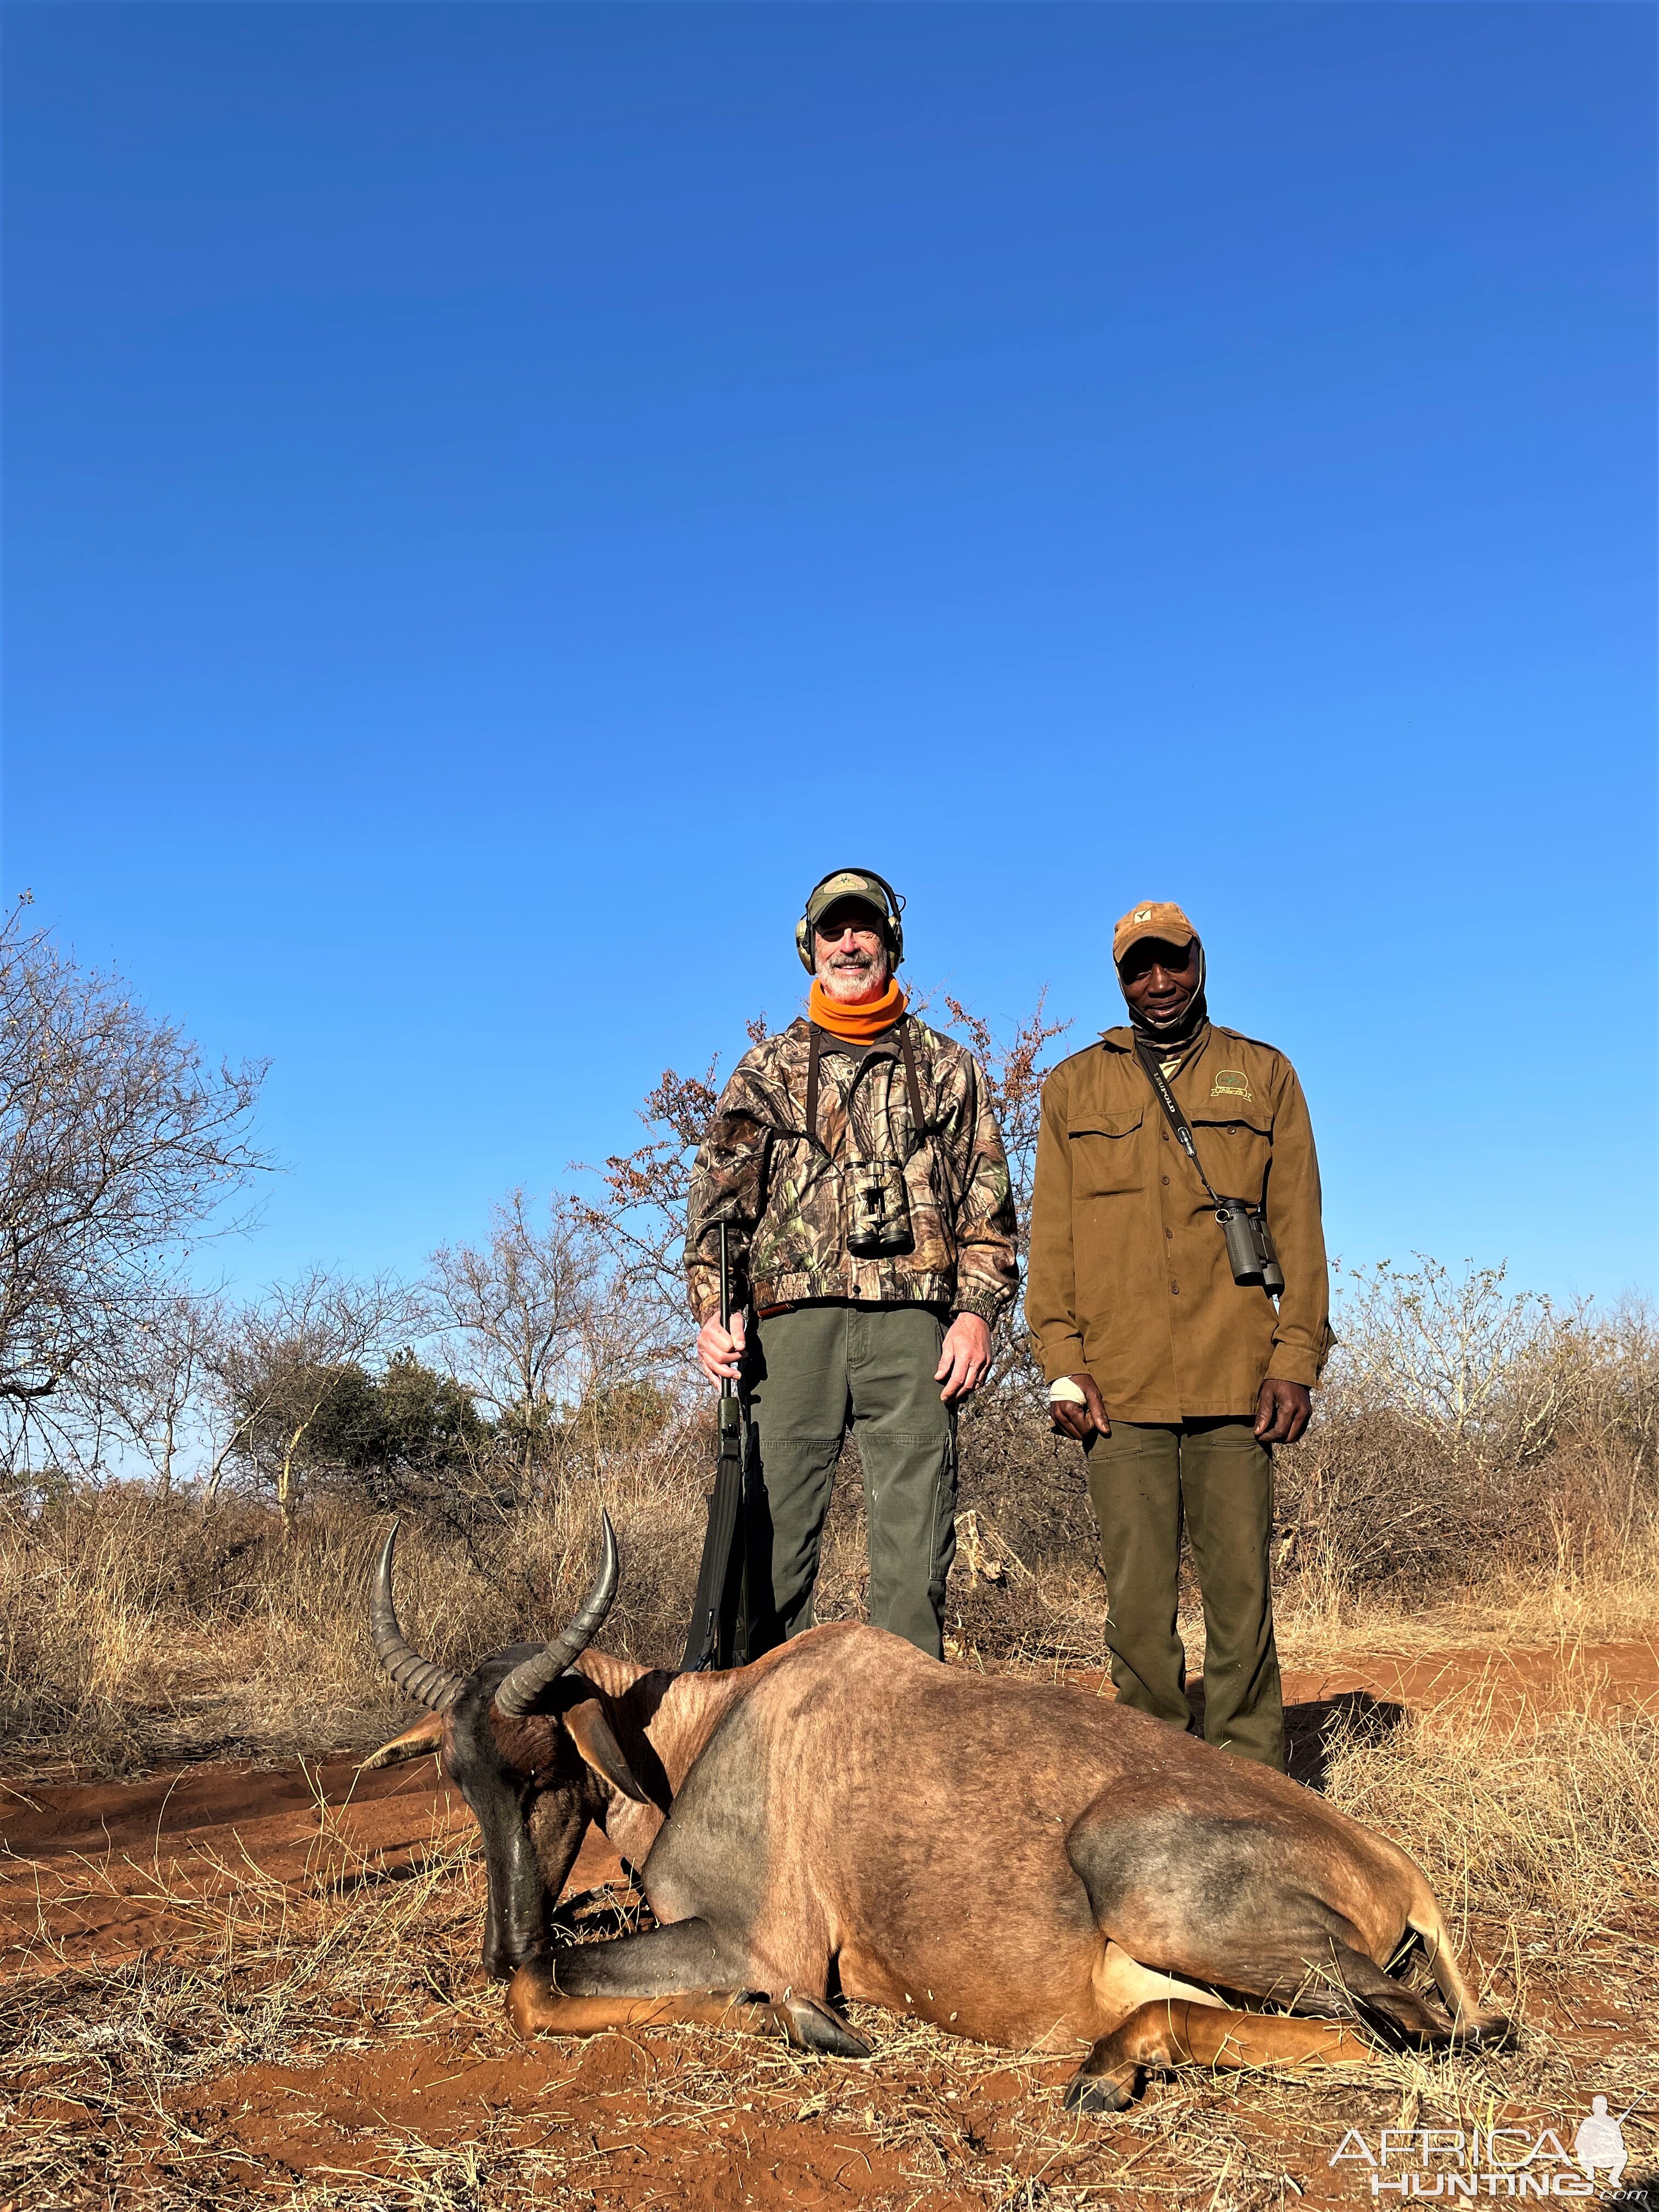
1128 1276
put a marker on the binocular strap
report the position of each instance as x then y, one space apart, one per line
912 1082
1227 1211
1173 1114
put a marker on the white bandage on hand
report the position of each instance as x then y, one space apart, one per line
1067 1393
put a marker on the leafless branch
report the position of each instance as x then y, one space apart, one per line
117 1144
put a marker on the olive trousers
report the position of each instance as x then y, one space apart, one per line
813 1373
1145 1479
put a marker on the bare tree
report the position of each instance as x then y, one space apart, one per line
1614 1359
641 1218
156 1396
1014 1071
515 1309
116 1143
542 1328
1459 1355
282 1361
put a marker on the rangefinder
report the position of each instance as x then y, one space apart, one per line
1250 1251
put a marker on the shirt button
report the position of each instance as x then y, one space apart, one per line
1169 1233
1164 1178
1175 1290
1164 1134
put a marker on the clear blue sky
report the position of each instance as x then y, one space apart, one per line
500 498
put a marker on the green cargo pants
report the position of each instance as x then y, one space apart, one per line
1144 1480
814 1372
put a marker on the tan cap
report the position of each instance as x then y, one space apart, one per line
1160 918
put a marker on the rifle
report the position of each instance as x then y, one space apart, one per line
717 1629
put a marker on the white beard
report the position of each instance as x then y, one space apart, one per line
852 986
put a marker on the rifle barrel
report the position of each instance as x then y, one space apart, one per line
726 1385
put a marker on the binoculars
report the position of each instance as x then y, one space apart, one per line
880 1225
1250 1251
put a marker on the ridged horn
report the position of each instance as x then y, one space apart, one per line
434 1685
531 1677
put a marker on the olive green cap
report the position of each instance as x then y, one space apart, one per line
870 889
849 883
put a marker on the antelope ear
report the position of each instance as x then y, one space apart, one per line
415 1743
590 1733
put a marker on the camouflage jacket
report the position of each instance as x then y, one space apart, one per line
785 1197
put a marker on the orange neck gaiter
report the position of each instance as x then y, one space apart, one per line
856 1024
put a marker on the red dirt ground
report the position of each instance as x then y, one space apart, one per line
95 1875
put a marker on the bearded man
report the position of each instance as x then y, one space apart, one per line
857 1167
1175 1377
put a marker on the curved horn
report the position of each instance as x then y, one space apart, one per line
522 1688
434 1685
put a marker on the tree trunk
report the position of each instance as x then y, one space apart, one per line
287 1483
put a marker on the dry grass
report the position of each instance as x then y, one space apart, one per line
1518 1808
135 1629
1603 1592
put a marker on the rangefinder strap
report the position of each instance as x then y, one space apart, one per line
1173 1114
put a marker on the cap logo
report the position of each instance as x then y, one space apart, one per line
1142 914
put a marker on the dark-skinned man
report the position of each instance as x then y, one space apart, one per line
1177 1380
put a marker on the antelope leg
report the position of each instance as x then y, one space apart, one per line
669 1976
1179 2034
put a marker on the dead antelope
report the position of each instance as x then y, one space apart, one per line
1026 1865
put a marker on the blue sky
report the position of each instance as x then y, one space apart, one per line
501 498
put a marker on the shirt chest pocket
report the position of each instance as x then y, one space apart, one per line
1235 1155
1106 1156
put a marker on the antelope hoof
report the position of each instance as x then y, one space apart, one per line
1102 2093
813 2027
1488 2031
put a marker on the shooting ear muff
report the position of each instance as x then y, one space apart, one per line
892 921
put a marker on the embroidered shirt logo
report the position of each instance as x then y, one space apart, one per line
1232 1082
